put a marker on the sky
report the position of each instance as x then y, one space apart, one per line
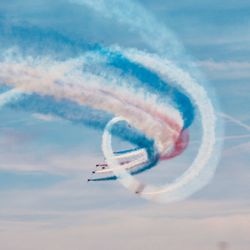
46 202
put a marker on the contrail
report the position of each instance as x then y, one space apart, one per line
235 121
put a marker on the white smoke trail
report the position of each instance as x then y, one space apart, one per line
235 121
10 96
65 80
132 154
201 170
225 138
133 163
234 137
138 19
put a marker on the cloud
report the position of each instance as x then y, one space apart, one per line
162 5
63 163
233 70
145 227
46 118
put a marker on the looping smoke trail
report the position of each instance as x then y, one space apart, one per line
200 169
141 97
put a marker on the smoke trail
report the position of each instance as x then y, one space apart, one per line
48 80
152 99
10 96
235 121
136 18
200 169
139 20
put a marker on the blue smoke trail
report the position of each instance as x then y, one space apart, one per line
33 40
38 42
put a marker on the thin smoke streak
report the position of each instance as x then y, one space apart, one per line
235 121
231 150
225 138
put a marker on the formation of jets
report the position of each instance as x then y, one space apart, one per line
128 159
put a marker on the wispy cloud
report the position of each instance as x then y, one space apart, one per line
233 70
142 228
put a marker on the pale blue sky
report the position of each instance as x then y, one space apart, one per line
46 202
